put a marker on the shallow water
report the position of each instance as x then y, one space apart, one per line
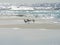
36 13
17 36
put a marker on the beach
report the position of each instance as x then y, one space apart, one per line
32 26
29 22
18 22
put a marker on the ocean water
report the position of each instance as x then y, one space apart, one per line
52 15
16 36
36 13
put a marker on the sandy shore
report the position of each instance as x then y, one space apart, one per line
31 25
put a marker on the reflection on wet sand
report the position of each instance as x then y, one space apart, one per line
14 36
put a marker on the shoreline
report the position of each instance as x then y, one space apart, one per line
32 26
39 24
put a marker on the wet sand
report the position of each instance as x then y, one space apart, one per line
12 36
33 26
30 25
